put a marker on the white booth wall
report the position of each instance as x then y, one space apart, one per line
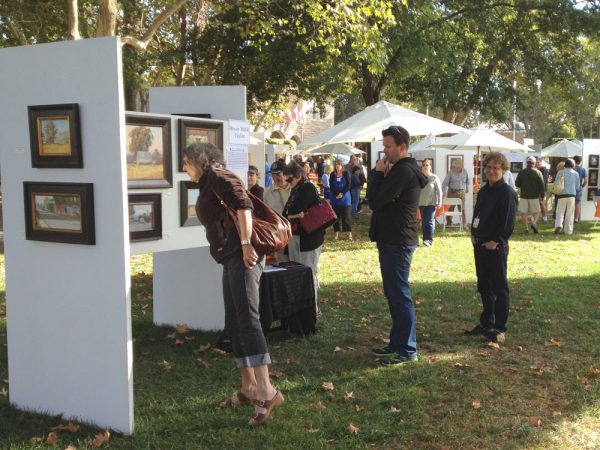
68 305
590 147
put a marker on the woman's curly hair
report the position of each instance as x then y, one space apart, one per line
203 156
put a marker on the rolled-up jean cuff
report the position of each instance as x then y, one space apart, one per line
253 361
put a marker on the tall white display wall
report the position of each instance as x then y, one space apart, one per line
590 147
68 305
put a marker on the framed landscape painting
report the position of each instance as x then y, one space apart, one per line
145 217
593 177
594 161
59 212
188 194
148 152
192 131
55 136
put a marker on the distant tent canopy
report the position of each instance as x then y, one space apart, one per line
276 141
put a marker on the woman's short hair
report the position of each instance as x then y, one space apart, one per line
560 166
328 168
203 156
294 169
497 158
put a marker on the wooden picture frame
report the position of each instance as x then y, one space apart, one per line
191 131
594 161
188 194
148 152
591 194
593 177
516 166
452 160
55 136
145 217
59 212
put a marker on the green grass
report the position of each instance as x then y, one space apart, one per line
546 371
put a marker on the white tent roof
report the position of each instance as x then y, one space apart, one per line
338 148
423 144
366 125
480 140
563 148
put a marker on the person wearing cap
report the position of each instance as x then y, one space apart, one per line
276 196
531 186
253 186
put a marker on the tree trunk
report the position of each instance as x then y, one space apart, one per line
107 18
73 21
369 94
181 65
264 115
448 114
461 115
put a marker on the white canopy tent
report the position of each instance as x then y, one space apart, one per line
366 125
563 149
338 148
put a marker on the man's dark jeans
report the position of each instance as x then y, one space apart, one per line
394 261
492 284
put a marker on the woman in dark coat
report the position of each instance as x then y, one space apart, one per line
242 269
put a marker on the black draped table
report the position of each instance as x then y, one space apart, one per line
288 296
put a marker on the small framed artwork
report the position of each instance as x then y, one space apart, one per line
188 194
591 194
594 161
516 167
55 136
593 177
192 131
145 217
454 161
60 212
148 152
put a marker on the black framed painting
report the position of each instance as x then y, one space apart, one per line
145 217
192 131
188 194
593 177
591 194
516 167
594 161
148 152
55 136
59 212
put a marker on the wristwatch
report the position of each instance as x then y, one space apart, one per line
245 241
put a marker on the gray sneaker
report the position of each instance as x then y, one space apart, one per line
385 351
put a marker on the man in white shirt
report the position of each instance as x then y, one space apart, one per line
276 196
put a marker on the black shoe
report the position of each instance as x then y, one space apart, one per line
385 351
477 331
534 228
495 336
225 345
396 360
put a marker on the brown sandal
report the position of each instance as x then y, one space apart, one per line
262 408
235 400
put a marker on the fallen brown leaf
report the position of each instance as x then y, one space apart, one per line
71 447
484 353
182 329
535 422
173 335
393 409
476 404
319 405
202 348
166 365
348 395
36 440
556 413
555 342
431 359
275 373
519 348
179 342
313 430
3 392
219 351
594 372
353 429
190 338
359 408
52 438
327 386
100 439
204 363
493 345
337 349
72 427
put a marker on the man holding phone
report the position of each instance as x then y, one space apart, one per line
393 193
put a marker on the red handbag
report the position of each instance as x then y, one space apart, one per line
318 217
271 231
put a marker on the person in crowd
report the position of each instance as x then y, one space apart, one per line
268 178
531 186
559 167
355 187
242 269
430 199
325 182
493 224
341 200
393 193
253 186
304 248
539 165
320 167
456 185
351 163
583 180
276 196
509 179
565 206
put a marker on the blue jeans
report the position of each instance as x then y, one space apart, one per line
355 193
394 261
428 221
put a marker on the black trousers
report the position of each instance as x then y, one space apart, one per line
492 284
344 221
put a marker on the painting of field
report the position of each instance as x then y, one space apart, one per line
145 152
54 136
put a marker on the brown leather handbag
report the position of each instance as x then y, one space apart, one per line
271 231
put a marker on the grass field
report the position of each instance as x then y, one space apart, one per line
539 390
145 171
56 149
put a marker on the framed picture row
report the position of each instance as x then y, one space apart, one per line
59 212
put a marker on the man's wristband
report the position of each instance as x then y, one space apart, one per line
245 242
